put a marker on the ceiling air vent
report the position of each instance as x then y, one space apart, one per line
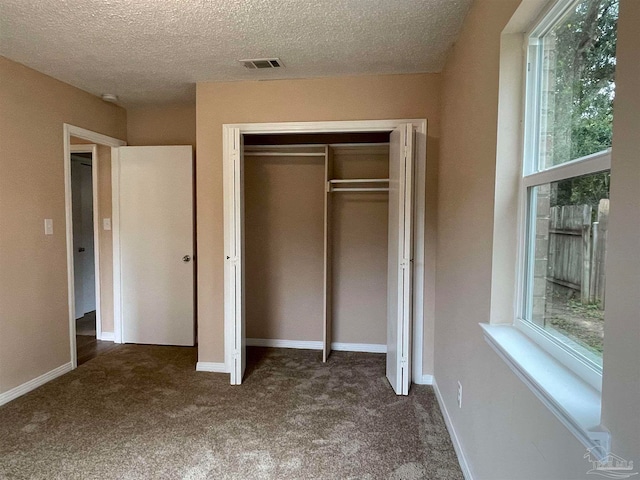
262 63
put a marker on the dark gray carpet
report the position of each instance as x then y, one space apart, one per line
143 412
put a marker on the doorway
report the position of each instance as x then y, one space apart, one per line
85 264
87 189
407 334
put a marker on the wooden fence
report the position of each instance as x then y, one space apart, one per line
577 249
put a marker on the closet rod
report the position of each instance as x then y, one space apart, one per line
283 154
359 180
297 145
321 145
355 189
377 144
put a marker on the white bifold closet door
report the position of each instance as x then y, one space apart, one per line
400 258
156 244
234 269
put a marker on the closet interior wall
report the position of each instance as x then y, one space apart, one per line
284 243
285 188
359 237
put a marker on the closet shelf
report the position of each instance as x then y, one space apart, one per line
282 154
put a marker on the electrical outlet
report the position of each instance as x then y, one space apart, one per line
459 395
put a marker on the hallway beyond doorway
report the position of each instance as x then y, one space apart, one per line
87 345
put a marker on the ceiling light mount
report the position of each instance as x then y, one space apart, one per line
262 63
109 97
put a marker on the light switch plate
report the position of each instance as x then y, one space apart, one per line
48 226
106 223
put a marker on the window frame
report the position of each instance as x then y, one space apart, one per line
531 175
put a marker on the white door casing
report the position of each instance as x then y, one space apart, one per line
95 139
155 245
399 271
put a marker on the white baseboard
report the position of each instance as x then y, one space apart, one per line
462 460
107 337
316 345
424 380
359 347
272 342
211 367
20 390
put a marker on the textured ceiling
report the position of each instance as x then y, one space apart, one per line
154 51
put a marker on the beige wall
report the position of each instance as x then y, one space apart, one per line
34 321
504 430
346 98
284 213
621 383
162 125
284 242
106 238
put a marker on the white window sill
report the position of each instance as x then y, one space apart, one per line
572 400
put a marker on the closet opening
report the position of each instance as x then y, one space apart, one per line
319 231
288 227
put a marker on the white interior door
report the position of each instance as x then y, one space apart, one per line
234 270
399 299
156 244
83 244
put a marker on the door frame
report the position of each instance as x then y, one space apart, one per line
95 139
231 211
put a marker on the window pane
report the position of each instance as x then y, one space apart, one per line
577 83
567 269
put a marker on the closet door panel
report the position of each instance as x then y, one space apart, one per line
399 260
328 330
241 334
234 261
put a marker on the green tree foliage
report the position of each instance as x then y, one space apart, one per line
581 64
587 190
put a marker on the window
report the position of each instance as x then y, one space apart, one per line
570 83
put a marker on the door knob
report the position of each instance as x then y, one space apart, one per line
186 258
81 249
